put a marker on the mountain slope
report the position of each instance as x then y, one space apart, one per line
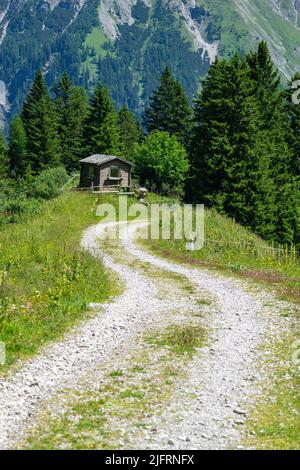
126 43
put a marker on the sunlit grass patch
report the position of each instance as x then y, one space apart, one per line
274 423
131 393
46 280
180 339
116 373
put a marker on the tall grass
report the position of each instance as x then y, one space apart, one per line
229 246
46 281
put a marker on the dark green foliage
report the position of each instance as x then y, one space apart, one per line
39 119
230 162
4 164
71 108
241 160
54 39
161 163
29 45
17 208
48 184
169 109
102 132
276 124
131 131
17 148
292 97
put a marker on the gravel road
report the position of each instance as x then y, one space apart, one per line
222 376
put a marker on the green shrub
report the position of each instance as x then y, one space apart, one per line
161 163
22 198
47 185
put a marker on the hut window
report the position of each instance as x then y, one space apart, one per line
90 171
114 172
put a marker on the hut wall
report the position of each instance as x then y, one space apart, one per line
125 171
90 174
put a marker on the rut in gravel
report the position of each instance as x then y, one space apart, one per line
222 376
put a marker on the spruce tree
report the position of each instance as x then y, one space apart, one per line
240 153
169 109
292 97
102 131
267 83
131 131
71 108
230 162
39 119
276 125
4 165
293 110
17 148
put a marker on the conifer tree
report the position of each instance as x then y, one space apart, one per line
276 125
39 119
231 167
71 108
102 131
267 83
169 109
131 131
4 166
270 99
292 96
17 148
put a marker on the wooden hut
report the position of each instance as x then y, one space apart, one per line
105 173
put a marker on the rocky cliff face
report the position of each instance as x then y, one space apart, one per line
113 13
12 11
126 43
195 20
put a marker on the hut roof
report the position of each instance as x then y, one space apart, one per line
99 159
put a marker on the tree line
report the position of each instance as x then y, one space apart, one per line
61 127
245 146
242 140
237 149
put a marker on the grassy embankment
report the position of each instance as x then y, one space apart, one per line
275 421
46 281
231 248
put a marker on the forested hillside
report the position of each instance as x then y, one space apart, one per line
128 43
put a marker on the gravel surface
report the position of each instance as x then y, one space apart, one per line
222 376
